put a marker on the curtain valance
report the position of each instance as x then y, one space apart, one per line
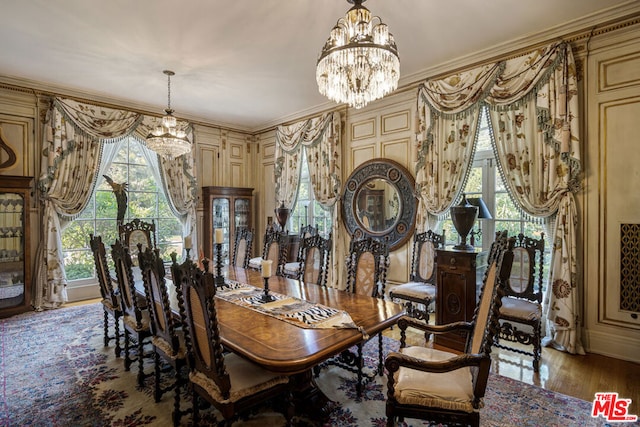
533 106
74 139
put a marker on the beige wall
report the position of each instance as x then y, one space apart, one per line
609 62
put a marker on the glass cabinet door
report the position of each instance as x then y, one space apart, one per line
221 220
242 212
12 253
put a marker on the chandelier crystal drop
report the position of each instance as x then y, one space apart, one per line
359 63
167 139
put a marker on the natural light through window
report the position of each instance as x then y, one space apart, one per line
146 201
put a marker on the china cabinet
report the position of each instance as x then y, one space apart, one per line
228 209
15 256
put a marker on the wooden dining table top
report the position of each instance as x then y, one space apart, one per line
284 347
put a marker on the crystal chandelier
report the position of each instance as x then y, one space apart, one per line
359 62
166 139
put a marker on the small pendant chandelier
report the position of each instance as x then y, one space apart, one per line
359 62
167 139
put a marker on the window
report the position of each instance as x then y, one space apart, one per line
485 181
307 211
146 201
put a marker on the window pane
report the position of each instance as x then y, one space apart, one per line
106 205
512 227
140 179
145 201
76 234
79 265
505 209
142 205
474 184
89 210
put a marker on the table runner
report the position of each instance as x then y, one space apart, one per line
289 309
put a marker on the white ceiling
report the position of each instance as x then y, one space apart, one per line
247 64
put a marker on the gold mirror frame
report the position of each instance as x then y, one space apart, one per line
402 224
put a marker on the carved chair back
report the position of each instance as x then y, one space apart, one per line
275 248
525 280
137 232
132 305
206 353
242 247
315 252
107 291
367 265
423 259
163 324
485 317
308 231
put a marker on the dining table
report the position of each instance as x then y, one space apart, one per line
285 347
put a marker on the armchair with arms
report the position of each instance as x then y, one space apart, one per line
444 387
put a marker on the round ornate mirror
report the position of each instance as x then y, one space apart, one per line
379 201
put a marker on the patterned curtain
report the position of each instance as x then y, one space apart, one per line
448 115
71 156
319 139
534 116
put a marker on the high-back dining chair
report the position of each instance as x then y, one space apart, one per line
314 259
242 245
292 269
418 294
522 302
135 317
444 387
367 265
227 381
137 232
167 331
275 249
110 295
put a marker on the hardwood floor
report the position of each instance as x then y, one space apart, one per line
573 375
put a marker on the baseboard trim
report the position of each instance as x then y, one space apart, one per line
616 346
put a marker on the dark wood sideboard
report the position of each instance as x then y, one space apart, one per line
458 281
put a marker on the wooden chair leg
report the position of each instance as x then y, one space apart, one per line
118 349
106 328
360 362
537 351
156 370
380 356
140 361
127 358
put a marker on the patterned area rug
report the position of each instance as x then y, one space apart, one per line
55 371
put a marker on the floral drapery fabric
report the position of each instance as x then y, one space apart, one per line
533 107
318 138
72 150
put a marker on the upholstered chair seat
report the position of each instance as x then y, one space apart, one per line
418 294
415 290
291 269
274 249
521 309
452 389
141 326
167 348
246 379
